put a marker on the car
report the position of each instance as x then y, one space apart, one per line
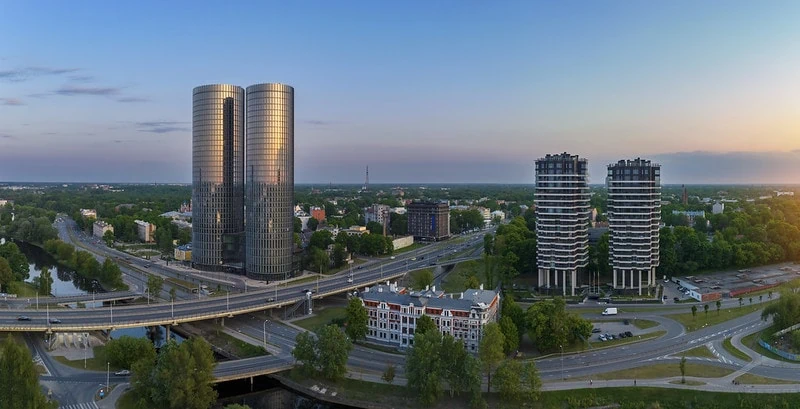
123 372
306 291
270 299
622 335
413 259
349 279
676 299
147 266
596 330
23 318
55 321
392 258
628 334
602 337
359 267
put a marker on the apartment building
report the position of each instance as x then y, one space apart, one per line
99 228
429 221
393 313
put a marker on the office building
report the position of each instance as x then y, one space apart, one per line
99 228
562 220
393 312
634 215
429 221
217 175
269 182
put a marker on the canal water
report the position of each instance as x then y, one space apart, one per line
65 281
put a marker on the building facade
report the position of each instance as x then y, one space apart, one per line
99 228
377 213
145 231
318 213
562 219
634 216
88 213
269 181
217 175
428 221
393 314
183 253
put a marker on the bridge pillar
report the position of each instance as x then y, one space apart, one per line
222 321
167 327
251 384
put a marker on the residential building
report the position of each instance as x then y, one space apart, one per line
270 182
634 215
145 231
186 208
4 202
183 253
485 213
377 213
356 231
690 214
217 175
784 193
99 228
498 214
428 221
89 213
562 219
318 213
393 313
718 208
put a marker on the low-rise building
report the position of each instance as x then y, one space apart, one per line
318 213
183 253
4 202
99 228
718 208
89 213
690 214
145 231
393 313
356 231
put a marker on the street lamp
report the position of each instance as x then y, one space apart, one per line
265 334
227 300
562 361
108 375
147 294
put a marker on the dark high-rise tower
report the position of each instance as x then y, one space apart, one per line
270 181
217 175
634 215
562 219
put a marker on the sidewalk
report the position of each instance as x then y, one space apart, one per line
272 349
710 385
110 401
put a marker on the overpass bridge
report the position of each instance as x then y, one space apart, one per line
173 313
249 367
73 299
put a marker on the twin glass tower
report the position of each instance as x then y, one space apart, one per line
243 179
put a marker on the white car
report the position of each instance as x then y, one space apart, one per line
123 372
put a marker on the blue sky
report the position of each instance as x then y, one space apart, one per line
444 91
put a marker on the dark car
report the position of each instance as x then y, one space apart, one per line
628 334
55 321
676 299
596 330
23 318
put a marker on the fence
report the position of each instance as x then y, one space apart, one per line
784 354
736 293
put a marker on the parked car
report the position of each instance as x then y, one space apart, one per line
596 330
23 318
628 334
676 299
123 372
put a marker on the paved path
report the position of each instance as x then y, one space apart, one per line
710 385
110 401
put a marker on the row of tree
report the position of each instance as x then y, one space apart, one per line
19 380
26 223
108 273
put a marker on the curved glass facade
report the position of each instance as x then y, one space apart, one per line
270 181
217 175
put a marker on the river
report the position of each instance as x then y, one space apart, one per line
65 281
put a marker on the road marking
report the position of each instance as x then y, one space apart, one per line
85 405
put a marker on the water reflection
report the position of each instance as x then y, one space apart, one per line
65 281
158 335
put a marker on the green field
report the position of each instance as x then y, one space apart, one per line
455 279
692 323
658 371
22 289
750 379
701 352
728 345
751 341
98 363
321 318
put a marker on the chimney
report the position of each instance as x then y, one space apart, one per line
433 289
481 287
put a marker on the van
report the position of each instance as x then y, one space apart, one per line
610 311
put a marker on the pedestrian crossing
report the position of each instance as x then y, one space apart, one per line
85 405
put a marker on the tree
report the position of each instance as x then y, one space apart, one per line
425 324
398 224
785 312
312 224
532 383
508 381
319 260
356 319
741 301
108 238
682 367
510 335
423 366
422 278
694 311
297 225
512 310
154 285
237 406
44 283
338 255
472 282
305 351
19 380
375 228
705 309
6 275
719 305
16 260
320 239
490 350
388 374
172 294
124 351
333 348
550 325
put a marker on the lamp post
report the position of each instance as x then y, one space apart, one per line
227 300
147 294
93 304
265 334
172 306
112 312
108 375
562 361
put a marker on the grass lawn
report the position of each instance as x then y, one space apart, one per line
412 247
128 400
645 324
657 371
181 283
750 379
728 345
98 363
322 317
694 323
412 278
355 389
454 281
234 345
22 289
751 341
701 352
689 382
643 397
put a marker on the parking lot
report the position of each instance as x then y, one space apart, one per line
731 283
613 328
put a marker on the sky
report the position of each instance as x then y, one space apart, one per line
421 91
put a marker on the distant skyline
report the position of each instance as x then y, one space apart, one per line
422 92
